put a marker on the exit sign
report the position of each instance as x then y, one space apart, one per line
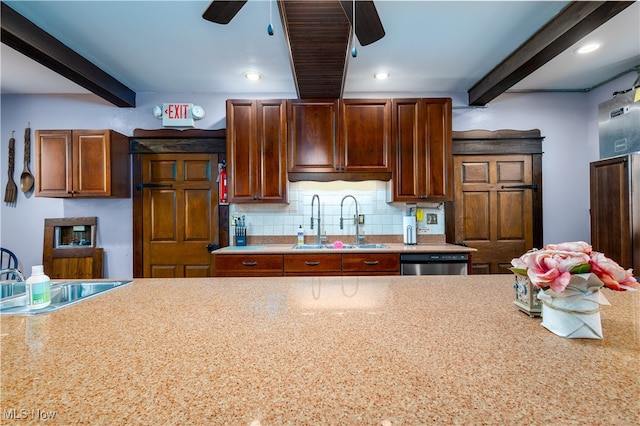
177 115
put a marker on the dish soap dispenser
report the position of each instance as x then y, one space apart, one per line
38 288
300 235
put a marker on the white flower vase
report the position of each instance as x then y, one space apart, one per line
574 313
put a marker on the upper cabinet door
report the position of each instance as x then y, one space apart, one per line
365 135
53 171
409 145
256 149
312 139
439 155
422 147
241 149
272 183
91 174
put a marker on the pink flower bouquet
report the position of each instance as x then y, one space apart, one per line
570 276
553 266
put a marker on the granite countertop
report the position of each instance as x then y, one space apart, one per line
392 350
390 248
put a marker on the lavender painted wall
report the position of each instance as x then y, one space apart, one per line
567 120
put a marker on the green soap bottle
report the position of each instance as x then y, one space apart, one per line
38 288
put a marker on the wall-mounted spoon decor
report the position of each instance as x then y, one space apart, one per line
26 178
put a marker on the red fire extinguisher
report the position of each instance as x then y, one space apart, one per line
222 182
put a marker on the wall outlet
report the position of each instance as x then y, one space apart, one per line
360 219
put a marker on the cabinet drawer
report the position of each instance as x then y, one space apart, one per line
312 264
239 265
371 264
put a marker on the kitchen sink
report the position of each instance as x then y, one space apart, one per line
62 295
344 246
308 246
11 288
372 246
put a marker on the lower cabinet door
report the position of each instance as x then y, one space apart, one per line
240 265
312 264
371 264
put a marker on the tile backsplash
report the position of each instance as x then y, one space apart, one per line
380 217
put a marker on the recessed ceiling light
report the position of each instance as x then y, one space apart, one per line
381 75
252 75
587 48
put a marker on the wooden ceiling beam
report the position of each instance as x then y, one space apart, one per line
574 22
27 38
317 35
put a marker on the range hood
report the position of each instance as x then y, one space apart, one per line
619 123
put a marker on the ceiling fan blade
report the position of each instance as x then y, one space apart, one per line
368 26
222 12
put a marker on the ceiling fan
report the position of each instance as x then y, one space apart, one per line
368 27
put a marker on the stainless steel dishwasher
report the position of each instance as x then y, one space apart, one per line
434 264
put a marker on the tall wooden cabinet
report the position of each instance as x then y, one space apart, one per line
82 163
615 209
423 159
256 151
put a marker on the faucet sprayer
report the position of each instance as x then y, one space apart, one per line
319 237
355 221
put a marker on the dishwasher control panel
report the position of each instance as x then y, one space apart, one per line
434 257
434 264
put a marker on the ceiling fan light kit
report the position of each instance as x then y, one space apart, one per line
270 27
339 30
354 51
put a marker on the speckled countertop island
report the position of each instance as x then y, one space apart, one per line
317 351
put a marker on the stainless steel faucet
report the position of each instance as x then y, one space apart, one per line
356 221
319 238
14 272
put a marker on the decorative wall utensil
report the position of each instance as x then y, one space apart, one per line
26 178
11 191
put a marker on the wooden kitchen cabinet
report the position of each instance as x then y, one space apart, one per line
615 209
339 139
307 264
371 264
423 150
365 135
240 265
313 138
82 163
256 151
312 264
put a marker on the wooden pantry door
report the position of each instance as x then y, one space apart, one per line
494 208
497 205
180 214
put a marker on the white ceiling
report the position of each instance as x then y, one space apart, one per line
430 46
